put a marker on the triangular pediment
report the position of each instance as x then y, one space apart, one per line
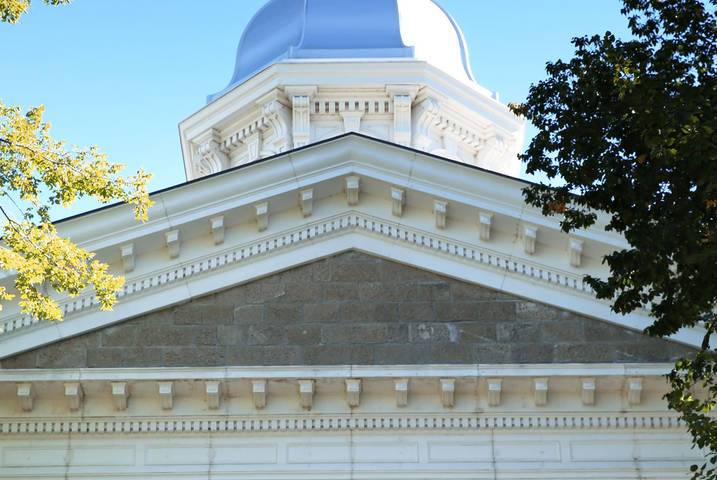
352 308
348 193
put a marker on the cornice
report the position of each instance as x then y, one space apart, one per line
310 165
538 396
344 79
338 371
453 252
309 233
337 423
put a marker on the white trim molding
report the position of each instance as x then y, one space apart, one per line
453 248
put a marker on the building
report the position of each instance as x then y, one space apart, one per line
348 286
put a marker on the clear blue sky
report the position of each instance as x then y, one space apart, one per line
121 74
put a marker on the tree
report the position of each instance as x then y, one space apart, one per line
628 127
36 173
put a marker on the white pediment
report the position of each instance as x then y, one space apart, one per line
252 221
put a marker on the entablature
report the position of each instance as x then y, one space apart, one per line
391 389
289 115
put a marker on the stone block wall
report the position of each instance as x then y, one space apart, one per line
352 309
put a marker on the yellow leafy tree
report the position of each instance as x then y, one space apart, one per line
38 172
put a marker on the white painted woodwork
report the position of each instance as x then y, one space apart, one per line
166 395
259 393
353 185
301 98
588 387
368 227
209 157
401 389
447 392
485 223
530 237
450 452
398 201
540 391
128 257
353 392
347 421
564 439
26 396
120 395
352 120
495 387
575 248
440 211
213 389
74 395
424 109
172 239
306 393
262 215
634 390
217 228
402 119
306 202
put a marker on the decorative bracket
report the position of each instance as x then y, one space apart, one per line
485 223
353 185
216 225
120 394
402 119
403 96
262 216
26 395
74 395
495 387
306 394
213 389
253 146
588 388
258 393
352 120
306 201
211 157
398 201
166 395
440 210
301 113
634 391
427 115
173 243
128 258
401 389
448 391
576 251
530 236
353 391
540 391
276 115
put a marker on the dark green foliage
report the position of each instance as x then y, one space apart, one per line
629 127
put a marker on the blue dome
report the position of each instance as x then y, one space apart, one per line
323 29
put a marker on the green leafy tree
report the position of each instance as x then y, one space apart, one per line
38 172
629 127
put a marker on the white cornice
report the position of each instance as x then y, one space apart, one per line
456 251
334 423
339 371
429 391
346 78
313 164
269 256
